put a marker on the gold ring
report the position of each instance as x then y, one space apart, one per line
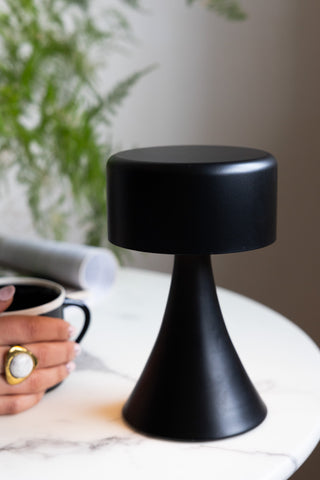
19 364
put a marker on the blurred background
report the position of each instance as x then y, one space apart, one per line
254 83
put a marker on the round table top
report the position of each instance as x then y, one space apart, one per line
77 430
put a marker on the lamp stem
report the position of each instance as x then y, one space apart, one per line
194 386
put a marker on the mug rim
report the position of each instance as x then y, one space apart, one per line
40 309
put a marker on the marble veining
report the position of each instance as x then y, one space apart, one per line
50 447
88 361
287 456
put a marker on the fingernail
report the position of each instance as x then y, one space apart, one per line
72 331
6 293
77 349
70 367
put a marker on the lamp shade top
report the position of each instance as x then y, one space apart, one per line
192 199
192 154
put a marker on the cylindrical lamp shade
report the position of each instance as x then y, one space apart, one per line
192 199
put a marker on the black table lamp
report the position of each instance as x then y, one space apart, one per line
192 201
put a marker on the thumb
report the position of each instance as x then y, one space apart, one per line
6 297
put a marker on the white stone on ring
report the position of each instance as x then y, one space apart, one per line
21 365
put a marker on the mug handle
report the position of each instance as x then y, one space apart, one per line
87 316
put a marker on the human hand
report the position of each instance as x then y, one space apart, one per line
48 339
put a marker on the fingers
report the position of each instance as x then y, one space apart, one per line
47 338
6 297
17 329
49 354
20 397
12 404
38 382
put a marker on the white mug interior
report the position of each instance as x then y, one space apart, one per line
41 282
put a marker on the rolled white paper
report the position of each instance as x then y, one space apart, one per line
80 266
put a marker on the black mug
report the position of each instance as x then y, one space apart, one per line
37 296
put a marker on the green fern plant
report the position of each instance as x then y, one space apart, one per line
54 120
230 9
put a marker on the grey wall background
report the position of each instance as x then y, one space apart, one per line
255 83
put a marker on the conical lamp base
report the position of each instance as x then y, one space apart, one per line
194 386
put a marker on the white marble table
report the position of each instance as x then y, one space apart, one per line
77 430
